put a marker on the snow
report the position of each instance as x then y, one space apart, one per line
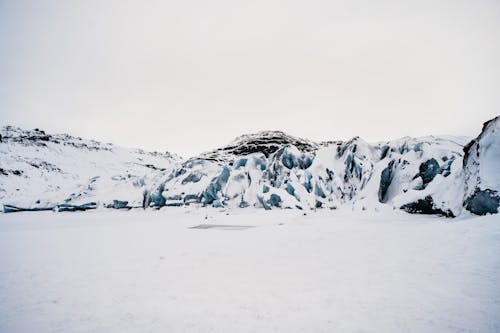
66 169
266 169
481 165
484 158
327 271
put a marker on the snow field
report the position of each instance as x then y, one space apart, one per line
341 271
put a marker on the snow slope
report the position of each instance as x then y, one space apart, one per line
329 271
42 170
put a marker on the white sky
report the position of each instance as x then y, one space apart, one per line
190 75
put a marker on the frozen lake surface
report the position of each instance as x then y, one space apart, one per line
182 270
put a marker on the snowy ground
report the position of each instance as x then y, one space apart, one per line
147 271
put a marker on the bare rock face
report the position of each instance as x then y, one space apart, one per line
426 206
482 170
265 142
428 170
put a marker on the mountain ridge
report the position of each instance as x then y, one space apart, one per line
268 169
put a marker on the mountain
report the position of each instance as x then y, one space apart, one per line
430 175
40 170
329 175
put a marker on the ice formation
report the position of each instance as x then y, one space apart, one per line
429 175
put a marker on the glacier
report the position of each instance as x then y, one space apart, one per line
441 175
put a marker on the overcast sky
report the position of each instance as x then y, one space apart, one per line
190 75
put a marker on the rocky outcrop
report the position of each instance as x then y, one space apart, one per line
426 206
427 171
385 181
483 202
265 142
482 170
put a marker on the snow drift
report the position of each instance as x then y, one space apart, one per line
428 175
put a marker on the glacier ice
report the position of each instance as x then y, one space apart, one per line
428 175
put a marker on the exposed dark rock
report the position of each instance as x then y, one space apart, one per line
74 208
40 138
445 169
384 151
385 181
266 142
146 199
44 165
428 170
6 172
347 146
467 147
483 202
426 206
151 166
15 209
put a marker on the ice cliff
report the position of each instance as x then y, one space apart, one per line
482 170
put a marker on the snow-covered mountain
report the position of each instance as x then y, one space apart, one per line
39 170
266 142
270 169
